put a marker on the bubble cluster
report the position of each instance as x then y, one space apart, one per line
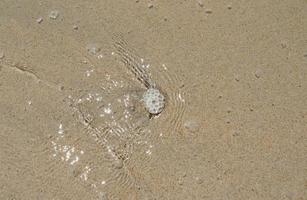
154 101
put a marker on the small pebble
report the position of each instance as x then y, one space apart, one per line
229 7
191 125
258 73
1 54
208 11
229 110
75 27
150 5
39 20
61 88
305 55
237 78
200 3
54 14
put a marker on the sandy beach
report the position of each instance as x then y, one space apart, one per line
74 125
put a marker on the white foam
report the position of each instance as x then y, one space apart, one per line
154 101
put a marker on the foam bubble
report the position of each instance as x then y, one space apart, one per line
154 101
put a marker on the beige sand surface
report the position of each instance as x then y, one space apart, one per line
235 122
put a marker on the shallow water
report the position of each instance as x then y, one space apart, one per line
104 113
73 124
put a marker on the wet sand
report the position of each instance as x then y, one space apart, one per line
235 80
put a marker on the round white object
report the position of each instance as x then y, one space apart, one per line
154 101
